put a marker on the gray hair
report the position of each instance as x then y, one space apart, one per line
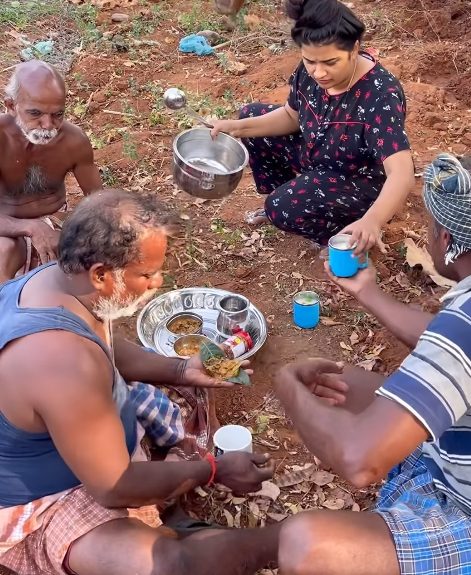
13 87
107 227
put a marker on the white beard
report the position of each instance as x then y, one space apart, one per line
37 136
118 305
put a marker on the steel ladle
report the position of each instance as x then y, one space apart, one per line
175 99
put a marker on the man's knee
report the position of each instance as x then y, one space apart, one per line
170 557
292 547
12 256
302 546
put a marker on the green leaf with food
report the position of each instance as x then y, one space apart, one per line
220 367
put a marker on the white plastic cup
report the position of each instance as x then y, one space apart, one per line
230 438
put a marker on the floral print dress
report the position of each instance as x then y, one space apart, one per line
328 174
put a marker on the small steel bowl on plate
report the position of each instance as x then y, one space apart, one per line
174 335
180 347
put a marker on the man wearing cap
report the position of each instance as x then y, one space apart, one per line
413 427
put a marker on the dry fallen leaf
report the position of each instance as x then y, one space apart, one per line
322 477
269 490
343 345
354 338
277 516
334 504
329 321
367 364
200 491
252 22
417 256
295 477
229 518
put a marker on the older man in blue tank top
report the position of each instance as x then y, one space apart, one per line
77 494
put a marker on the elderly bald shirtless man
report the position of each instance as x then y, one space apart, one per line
38 148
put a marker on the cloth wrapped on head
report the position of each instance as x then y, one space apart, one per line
447 196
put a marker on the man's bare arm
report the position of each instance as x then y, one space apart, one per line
136 364
72 393
73 396
362 447
85 171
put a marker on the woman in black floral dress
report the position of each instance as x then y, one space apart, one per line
336 156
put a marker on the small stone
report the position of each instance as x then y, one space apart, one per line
120 44
252 21
211 36
229 23
118 17
99 97
233 66
460 149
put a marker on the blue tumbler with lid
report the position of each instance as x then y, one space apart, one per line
342 261
306 309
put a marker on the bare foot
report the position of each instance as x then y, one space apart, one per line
257 217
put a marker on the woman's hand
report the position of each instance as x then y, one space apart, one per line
230 127
359 284
366 233
321 376
194 374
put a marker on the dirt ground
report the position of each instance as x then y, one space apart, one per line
115 86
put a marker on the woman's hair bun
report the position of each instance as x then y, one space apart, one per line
294 8
324 22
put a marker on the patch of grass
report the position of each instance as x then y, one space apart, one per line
96 142
156 118
129 146
23 13
223 60
228 236
133 86
20 13
144 25
79 109
109 177
268 231
198 19
401 250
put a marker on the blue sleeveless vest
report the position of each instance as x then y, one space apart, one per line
30 465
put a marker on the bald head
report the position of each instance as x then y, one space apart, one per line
32 77
35 97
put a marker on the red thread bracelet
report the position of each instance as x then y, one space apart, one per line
212 461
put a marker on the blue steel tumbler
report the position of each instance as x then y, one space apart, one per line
342 262
306 309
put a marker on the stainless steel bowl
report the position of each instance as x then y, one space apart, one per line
185 340
173 335
207 168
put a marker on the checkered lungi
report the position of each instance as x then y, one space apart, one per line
431 534
58 521
44 551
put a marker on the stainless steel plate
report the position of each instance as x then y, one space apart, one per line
202 301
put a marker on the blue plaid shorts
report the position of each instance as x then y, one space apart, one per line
432 535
